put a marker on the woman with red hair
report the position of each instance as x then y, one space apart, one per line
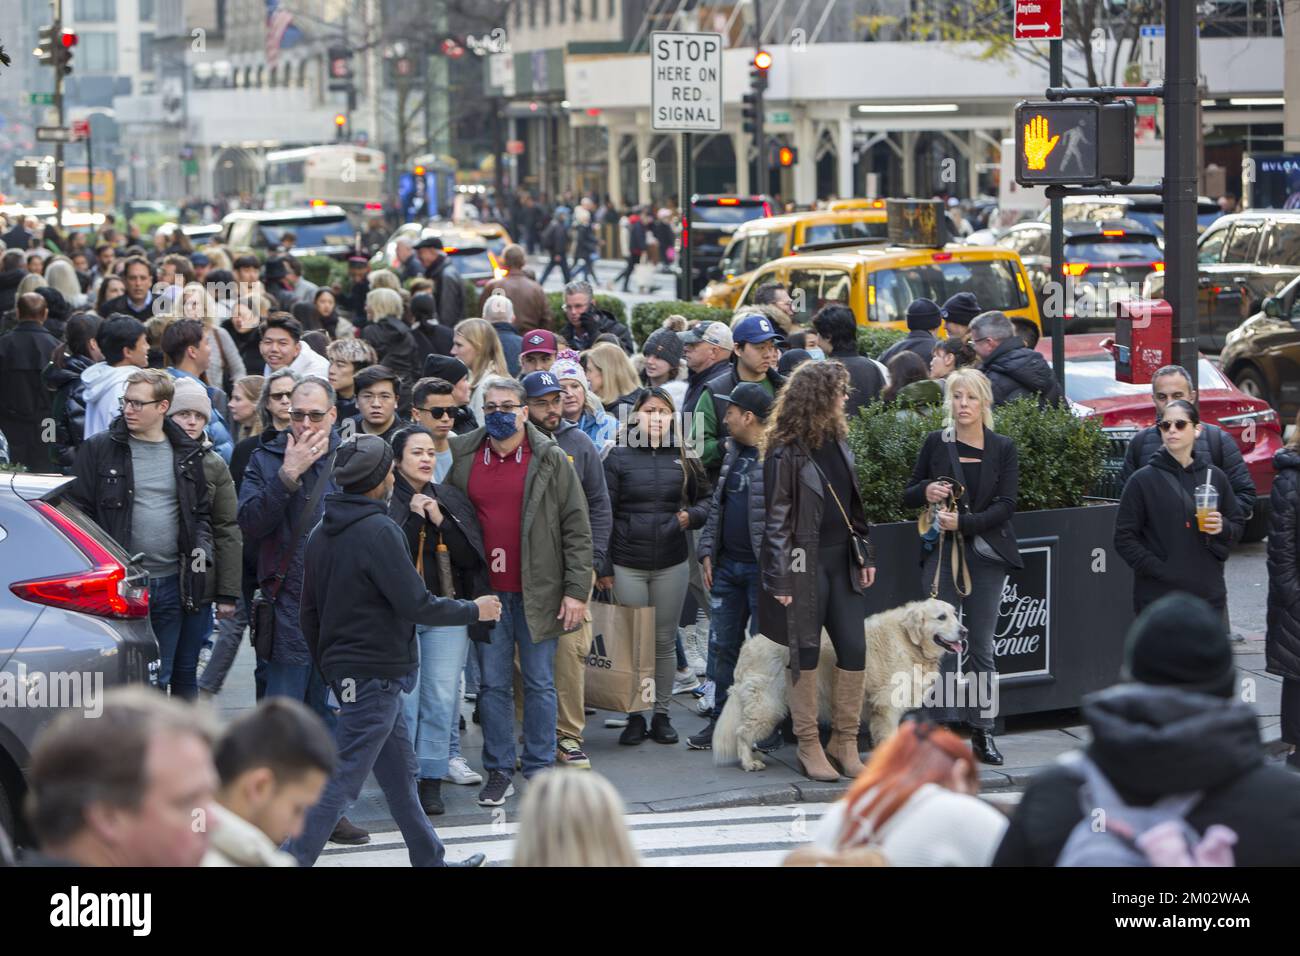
915 803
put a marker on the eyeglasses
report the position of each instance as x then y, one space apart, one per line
983 338
508 407
135 404
439 411
299 416
280 396
1168 423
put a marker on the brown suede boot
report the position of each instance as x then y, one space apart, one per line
846 713
803 714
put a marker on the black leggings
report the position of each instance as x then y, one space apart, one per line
843 610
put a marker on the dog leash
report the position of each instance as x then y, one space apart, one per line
960 569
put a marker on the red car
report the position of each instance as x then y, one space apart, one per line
1126 409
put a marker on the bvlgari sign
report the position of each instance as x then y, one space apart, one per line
1022 636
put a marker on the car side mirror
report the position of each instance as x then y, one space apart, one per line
1272 308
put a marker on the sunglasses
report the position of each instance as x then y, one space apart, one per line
280 396
298 416
1168 423
439 411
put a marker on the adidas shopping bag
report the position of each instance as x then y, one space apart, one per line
621 661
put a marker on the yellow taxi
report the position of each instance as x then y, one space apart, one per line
761 240
879 281
493 234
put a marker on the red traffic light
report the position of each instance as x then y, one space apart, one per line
68 39
762 60
340 120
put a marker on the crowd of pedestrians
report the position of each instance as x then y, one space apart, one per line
420 506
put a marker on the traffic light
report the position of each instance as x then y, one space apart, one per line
783 156
63 52
1077 142
45 45
752 111
340 61
55 49
758 71
340 126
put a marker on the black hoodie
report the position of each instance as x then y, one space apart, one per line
1015 371
1156 534
361 595
1282 644
1155 741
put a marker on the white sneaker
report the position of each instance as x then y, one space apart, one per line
705 706
684 681
458 771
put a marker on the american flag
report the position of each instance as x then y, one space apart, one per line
277 22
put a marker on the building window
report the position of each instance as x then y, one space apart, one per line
563 12
577 11
595 9
146 9
146 52
532 13
98 52
546 12
611 9
96 11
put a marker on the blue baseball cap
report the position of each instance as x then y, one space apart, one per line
537 384
754 328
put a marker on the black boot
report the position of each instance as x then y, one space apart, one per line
634 732
431 797
981 742
349 834
661 730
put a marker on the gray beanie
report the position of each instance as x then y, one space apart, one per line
664 344
361 464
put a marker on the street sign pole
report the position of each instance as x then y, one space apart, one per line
90 168
58 106
688 190
1056 303
762 175
1181 161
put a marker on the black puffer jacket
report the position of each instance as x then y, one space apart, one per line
1015 372
1214 444
593 324
462 535
1152 742
1156 533
708 542
392 341
105 490
68 407
647 487
1282 645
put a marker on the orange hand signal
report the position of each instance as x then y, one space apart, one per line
1037 146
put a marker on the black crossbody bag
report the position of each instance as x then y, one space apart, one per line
858 545
261 617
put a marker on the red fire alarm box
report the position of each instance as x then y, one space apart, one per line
1144 339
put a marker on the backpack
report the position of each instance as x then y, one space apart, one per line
1113 833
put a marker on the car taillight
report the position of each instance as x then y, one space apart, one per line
102 591
1157 267
941 256
728 202
1075 269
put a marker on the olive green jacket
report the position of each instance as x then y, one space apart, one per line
556 545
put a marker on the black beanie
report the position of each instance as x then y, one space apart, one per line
450 370
1180 641
923 314
961 308
361 464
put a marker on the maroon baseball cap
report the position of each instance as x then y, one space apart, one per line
539 340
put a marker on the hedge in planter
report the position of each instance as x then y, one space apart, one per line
323 270
872 342
1061 455
648 316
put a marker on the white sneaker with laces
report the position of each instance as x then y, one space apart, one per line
705 706
685 680
458 771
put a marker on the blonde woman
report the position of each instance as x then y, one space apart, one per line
987 467
385 279
244 413
225 364
611 375
479 347
573 820
218 259
62 276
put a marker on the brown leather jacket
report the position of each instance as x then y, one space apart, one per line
532 311
788 561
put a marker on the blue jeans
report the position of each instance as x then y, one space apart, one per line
303 683
496 692
180 636
372 735
733 604
432 707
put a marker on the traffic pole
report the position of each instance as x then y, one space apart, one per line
762 173
90 168
685 282
1181 161
1056 303
57 6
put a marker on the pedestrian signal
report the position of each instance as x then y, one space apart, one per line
1077 143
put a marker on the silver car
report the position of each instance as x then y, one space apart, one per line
74 621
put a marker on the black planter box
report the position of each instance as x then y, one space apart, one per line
1061 632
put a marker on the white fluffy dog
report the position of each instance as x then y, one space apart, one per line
904 646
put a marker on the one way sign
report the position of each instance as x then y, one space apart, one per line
1038 20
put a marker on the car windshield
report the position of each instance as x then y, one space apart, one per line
1112 249
310 232
710 213
1092 378
471 261
829 232
993 281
